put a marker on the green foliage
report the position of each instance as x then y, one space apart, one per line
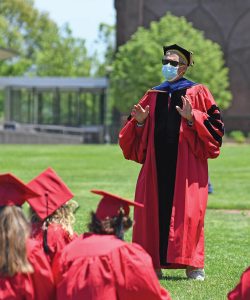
104 57
63 56
43 48
137 66
106 40
15 18
238 136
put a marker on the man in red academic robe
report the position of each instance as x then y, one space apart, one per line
242 290
172 132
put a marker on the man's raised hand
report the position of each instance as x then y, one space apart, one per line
139 113
186 111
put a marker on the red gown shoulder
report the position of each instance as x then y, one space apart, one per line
57 238
104 265
242 290
38 285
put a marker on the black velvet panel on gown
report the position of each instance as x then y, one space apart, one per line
166 136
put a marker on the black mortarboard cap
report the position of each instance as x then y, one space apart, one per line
187 54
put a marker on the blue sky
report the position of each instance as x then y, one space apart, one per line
84 16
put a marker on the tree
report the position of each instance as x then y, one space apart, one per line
105 43
137 66
63 56
22 28
44 49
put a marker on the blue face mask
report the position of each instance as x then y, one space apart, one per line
169 72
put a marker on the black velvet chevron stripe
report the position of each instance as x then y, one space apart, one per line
212 109
212 131
216 116
216 124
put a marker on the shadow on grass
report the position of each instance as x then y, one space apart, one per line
174 278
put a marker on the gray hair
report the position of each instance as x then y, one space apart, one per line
182 58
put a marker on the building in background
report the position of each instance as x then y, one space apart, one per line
72 109
53 110
226 22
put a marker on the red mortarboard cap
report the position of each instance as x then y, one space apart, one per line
54 193
109 205
13 191
187 54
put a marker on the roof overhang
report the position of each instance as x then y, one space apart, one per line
7 53
52 83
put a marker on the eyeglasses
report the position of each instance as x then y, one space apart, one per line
173 63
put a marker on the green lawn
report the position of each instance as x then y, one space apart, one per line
230 175
227 255
85 167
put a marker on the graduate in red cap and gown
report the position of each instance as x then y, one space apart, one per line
242 290
100 265
25 273
51 214
172 132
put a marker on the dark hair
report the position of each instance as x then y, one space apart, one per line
116 225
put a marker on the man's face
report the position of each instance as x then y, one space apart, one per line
175 60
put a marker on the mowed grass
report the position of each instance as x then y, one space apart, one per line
227 256
230 176
86 167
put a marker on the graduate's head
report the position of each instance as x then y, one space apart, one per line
53 194
112 214
14 228
64 215
52 205
117 225
175 62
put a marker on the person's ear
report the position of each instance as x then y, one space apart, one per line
183 69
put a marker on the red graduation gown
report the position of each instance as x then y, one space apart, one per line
105 268
242 290
38 285
57 238
197 143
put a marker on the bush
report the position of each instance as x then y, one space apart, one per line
238 136
137 65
